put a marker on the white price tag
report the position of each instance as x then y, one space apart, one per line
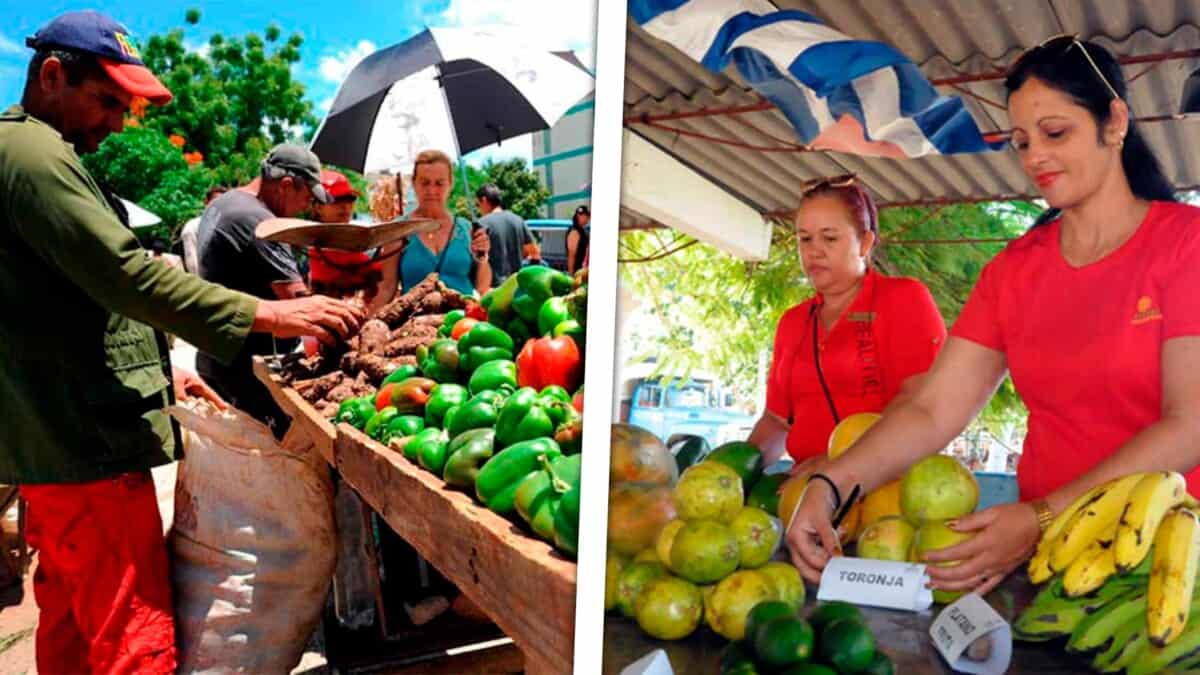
963 622
654 663
877 583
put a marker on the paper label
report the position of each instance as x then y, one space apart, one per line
654 663
876 583
963 622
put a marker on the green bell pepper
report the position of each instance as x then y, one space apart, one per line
498 301
476 413
484 334
552 312
496 398
539 495
569 435
577 301
467 453
442 398
522 418
439 361
477 356
356 412
493 375
401 374
498 480
428 449
519 330
557 403
452 317
526 307
401 426
410 395
566 522
542 283
572 329
427 437
555 392
374 428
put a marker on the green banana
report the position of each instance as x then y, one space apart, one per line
1125 635
1183 652
1095 631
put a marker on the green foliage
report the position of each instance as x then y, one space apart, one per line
713 312
178 196
524 193
134 161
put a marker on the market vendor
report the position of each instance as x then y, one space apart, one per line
86 374
340 273
1095 312
858 344
458 255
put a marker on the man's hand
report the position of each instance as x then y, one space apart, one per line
481 244
324 318
188 384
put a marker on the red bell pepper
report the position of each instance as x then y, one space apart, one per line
577 400
408 396
463 326
550 360
476 311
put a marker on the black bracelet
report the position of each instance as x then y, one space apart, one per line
837 495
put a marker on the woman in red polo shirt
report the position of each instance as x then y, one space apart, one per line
857 345
1095 312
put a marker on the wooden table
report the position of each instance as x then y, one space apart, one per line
903 636
520 582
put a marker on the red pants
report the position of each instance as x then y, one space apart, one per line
102 581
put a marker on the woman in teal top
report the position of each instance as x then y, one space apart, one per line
459 256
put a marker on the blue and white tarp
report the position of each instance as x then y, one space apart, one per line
839 93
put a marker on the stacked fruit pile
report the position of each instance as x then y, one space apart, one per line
834 639
1121 563
493 411
705 557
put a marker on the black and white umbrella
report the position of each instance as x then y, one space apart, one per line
455 90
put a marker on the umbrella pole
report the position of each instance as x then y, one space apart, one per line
462 165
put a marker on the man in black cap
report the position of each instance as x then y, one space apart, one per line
86 375
231 255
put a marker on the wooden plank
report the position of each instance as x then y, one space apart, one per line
318 429
526 587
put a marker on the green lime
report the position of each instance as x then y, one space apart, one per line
847 645
783 641
833 610
734 653
809 669
764 612
742 457
880 665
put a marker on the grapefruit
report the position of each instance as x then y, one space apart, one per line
632 580
789 497
635 515
934 535
612 570
886 539
882 502
709 491
937 488
758 536
785 581
669 608
704 551
848 431
638 456
732 601
666 537
742 457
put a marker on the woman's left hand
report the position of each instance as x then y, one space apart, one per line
481 244
188 384
1005 537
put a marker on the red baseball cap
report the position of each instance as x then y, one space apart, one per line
337 186
94 33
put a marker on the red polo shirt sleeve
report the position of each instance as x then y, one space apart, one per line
980 320
915 331
779 381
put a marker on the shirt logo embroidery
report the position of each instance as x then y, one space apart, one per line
1146 311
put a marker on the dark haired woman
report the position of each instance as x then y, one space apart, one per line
577 240
858 344
1095 313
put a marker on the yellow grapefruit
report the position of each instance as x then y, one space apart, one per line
881 503
848 431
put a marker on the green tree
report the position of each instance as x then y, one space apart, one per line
717 313
524 193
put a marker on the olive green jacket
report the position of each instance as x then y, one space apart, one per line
84 375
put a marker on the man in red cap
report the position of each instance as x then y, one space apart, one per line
335 272
86 376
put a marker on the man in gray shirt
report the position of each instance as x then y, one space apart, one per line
511 240
230 254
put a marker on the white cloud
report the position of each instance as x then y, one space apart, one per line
564 24
10 48
201 49
324 104
335 68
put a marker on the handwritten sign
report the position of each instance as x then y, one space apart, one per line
963 623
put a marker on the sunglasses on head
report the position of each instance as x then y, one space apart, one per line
1064 42
827 183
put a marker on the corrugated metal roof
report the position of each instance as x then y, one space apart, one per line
946 38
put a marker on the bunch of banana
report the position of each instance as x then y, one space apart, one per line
1053 614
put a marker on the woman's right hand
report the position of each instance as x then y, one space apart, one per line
323 317
810 538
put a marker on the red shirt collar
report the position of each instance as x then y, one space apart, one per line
868 285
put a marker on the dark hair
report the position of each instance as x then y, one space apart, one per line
856 199
581 210
1061 65
491 192
215 191
78 66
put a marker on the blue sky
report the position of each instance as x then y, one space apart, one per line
336 34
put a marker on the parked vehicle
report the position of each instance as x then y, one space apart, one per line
697 406
551 235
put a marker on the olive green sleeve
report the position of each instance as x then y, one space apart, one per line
57 209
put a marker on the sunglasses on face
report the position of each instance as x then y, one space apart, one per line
827 183
1064 43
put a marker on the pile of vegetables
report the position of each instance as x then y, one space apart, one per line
489 398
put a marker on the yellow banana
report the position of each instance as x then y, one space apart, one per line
1092 520
1151 498
1039 565
1172 576
1092 567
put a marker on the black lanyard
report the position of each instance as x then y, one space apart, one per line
812 317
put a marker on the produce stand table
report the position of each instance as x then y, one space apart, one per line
521 583
903 636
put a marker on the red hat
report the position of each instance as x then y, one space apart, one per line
341 268
337 186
